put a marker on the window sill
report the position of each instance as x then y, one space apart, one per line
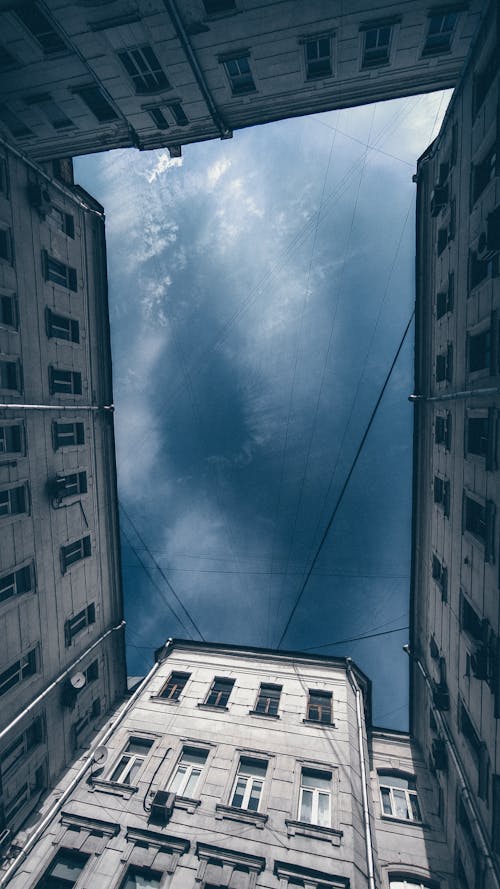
161 700
186 804
242 815
264 715
115 787
314 831
395 820
212 707
319 724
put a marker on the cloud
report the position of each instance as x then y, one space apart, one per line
164 162
216 170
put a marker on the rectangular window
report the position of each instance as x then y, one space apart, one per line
67 434
218 695
22 669
65 382
468 730
92 672
484 172
31 788
131 760
10 375
479 520
178 114
175 686
268 700
74 552
478 269
248 784
478 430
158 118
240 75
470 621
440 575
4 177
59 273
71 485
142 878
399 797
315 797
442 493
61 327
8 310
14 124
445 298
41 29
6 244
213 7
319 707
444 365
442 239
64 221
81 725
13 501
16 583
22 745
64 870
376 46
187 774
442 430
439 33
484 79
318 57
74 625
144 69
54 114
479 351
7 60
96 102
11 438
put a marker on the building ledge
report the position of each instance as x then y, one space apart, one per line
314 831
211 707
318 724
114 787
187 804
162 700
264 715
406 821
235 814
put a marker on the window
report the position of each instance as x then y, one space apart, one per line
442 430
442 239
31 787
96 102
319 707
8 310
408 883
10 373
41 29
175 686
79 622
16 583
131 760
92 672
6 244
470 620
22 745
445 298
268 700
399 797
7 60
440 575
478 269
477 435
59 273
65 382
64 221
82 724
318 56
11 438
484 172
141 878
479 520
468 730
444 365
67 434
64 870
21 669
218 695
4 177
212 7
54 114
61 327
158 118
442 493
479 351
315 797
187 773
144 69
248 783
178 114
14 123
439 33
484 79
240 75
13 501
376 46
74 552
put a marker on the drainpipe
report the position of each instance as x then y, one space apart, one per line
224 131
366 813
56 407
59 679
465 792
101 739
468 393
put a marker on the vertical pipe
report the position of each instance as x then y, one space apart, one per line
364 794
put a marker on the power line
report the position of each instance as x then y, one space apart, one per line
347 480
354 639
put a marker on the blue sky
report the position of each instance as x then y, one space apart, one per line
259 288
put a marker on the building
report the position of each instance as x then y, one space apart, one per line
241 767
455 696
80 77
62 660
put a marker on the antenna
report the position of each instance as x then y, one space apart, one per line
100 755
78 680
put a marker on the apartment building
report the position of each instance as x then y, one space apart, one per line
455 695
241 767
85 76
61 659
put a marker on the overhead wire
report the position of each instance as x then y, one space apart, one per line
354 639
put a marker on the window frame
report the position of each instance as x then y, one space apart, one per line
13 508
59 273
309 40
190 768
85 550
62 327
8 257
142 869
134 759
25 667
72 381
487 541
80 621
271 699
42 882
153 69
250 782
175 694
410 794
87 93
437 49
77 434
325 694
369 28
60 47
14 369
242 82
212 690
7 444
6 297
316 793
15 584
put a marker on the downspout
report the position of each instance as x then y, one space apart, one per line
364 795
59 679
171 7
101 739
466 393
56 407
465 791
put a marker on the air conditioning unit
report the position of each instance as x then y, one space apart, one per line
439 199
5 841
489 240
39 198
162 806
439 754
441 696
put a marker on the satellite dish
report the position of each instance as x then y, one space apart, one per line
78 680
100 755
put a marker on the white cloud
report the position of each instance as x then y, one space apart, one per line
164 162
217 170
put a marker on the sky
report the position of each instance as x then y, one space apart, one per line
259 289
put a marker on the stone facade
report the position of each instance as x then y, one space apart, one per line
80 77
60 588
455 695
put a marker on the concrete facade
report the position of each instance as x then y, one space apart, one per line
241 769
60 590
455 696
80 77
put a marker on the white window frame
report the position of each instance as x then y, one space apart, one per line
250 781
410 795
133 759
316 792
190 769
